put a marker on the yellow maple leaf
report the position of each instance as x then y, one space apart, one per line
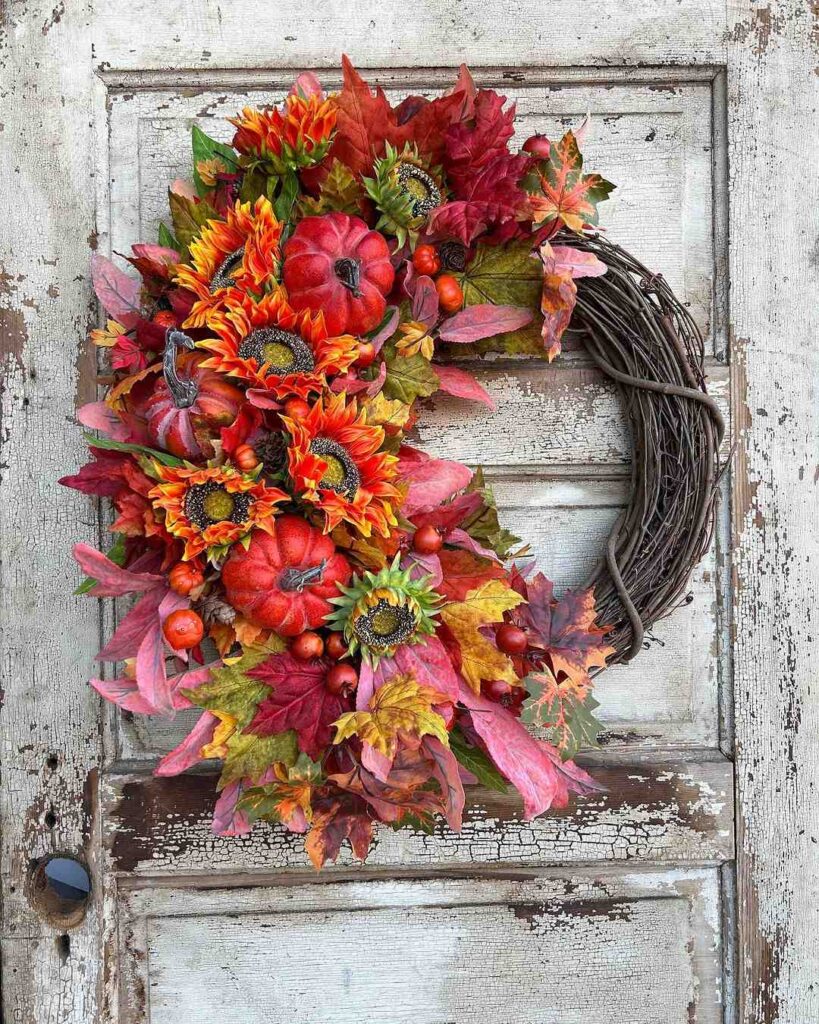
402 704
389 413
480 658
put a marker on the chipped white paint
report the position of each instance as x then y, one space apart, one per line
576 947
651 74
773 94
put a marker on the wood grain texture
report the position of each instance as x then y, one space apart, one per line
652 811
638 946
773 93
257 34
50 722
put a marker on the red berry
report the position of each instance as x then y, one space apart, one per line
307 645
497 689
511 639
425 259
245 458
165 318
296 408
427 540
185 577
450 295
341 678
366 355
335 646
183 629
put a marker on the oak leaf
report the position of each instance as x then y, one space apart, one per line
402 705
480 658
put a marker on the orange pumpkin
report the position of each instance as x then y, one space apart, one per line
285 581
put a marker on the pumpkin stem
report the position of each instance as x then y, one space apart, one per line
298 579
184 392
348 271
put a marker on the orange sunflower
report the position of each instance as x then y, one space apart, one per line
296 136
241 251
211 508
335 463
271 346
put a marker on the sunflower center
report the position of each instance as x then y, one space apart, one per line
223 278
210 503
341 473
420 187
385 625
280 351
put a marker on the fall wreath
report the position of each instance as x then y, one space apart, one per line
361 634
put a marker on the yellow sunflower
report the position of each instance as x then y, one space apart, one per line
335 463
241 251
212 508
269 345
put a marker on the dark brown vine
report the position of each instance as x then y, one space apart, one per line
642 337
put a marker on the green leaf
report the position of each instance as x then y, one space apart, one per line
340 192
188 219
567 721
206 148
254 184
250 756
477 762
408 377
167 239
230 689
483 525
125 446
283 206
116 555
260 803
505 275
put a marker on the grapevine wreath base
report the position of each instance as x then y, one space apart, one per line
363 637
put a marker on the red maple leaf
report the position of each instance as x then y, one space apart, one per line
365 123
299 700
463 571
335 821
476 143
565 630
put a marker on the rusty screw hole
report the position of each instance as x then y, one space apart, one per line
59 887
50 819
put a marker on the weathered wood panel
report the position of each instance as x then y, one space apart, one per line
49 741
655 141
655 811
572 948
773 90
258 34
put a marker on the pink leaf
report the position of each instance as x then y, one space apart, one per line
100 416
425 301
348 383
132 629
376 762
123 690
581 264
307 85
387 331
118 293
532 766
183 188
447 773
483 321
112 580
431 482
461 384
461 539
377 383
428 663
227 820
156 253
151 675
423 567
189 751
263 399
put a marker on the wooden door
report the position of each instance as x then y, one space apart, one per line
661 900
